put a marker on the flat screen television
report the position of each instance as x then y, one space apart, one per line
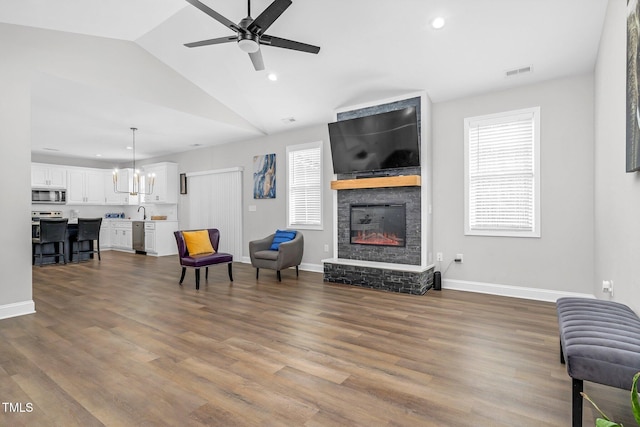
377 142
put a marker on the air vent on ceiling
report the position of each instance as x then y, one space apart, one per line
288 120
518 71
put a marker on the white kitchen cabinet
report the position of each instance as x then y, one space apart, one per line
105 235
124 184
121 235
159 239
166 183
48 176
85 187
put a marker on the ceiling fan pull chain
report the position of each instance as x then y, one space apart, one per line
248 7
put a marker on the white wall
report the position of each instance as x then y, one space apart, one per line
617 193
270 214
15 182
562 259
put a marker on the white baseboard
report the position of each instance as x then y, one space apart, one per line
316 268
17 309
509 290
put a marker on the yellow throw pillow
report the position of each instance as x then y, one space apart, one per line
198 242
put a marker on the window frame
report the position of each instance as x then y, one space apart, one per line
300 147
495 118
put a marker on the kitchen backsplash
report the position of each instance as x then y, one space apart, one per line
171 211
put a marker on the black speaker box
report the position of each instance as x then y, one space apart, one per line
437 281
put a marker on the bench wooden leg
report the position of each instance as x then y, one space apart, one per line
576 403
197 278
230 272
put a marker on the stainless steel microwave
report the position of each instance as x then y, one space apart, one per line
49 195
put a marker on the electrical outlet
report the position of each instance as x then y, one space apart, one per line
460 258
439 256
607 286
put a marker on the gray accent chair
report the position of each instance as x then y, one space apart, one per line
289 254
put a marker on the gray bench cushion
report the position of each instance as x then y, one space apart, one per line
600 341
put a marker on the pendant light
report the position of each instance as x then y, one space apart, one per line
134 187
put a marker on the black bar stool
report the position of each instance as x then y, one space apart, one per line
51 231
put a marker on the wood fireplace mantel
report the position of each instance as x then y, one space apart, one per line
380 182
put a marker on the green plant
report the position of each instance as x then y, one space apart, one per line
635 406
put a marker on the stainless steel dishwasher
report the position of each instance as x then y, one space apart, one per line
138 236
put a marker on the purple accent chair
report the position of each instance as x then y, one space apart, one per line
202 260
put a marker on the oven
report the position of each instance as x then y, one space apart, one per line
35 220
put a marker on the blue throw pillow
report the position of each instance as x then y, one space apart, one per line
281 237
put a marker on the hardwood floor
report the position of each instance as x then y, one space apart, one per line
120 343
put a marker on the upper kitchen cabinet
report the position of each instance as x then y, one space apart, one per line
124 185
166 183
85 187
48 176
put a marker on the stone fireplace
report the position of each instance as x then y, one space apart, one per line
380 225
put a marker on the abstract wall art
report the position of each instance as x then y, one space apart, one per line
264 176
633 82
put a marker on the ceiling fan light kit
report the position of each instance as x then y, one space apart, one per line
250 33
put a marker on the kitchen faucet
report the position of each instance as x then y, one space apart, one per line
144 212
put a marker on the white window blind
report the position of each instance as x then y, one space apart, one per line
304 185
502 174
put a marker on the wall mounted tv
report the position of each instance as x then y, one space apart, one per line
377 142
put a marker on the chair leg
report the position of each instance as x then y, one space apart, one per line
296 271
206 272
197 278
279 276
257 273
576 403
64 258
230 271
184 270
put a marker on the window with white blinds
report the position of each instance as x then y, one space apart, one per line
502 179
304 186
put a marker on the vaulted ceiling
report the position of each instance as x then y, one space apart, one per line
370 49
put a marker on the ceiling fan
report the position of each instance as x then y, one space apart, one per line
250 33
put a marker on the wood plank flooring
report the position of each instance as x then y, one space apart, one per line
120 343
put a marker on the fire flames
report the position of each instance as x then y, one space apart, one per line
375 238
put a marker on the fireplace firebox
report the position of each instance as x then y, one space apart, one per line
378 225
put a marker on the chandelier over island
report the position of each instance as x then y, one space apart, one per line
134 188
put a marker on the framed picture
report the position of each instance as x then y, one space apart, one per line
264 176
633 107
183 183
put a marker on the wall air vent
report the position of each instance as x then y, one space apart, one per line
518 71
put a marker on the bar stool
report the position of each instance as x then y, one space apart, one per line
51 231
88 231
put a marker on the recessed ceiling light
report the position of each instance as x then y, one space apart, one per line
129 147
98 155
273 77
438 23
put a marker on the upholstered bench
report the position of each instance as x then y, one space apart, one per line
599 342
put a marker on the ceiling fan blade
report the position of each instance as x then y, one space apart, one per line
256 58
288 44
268 16
215 15
219 40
